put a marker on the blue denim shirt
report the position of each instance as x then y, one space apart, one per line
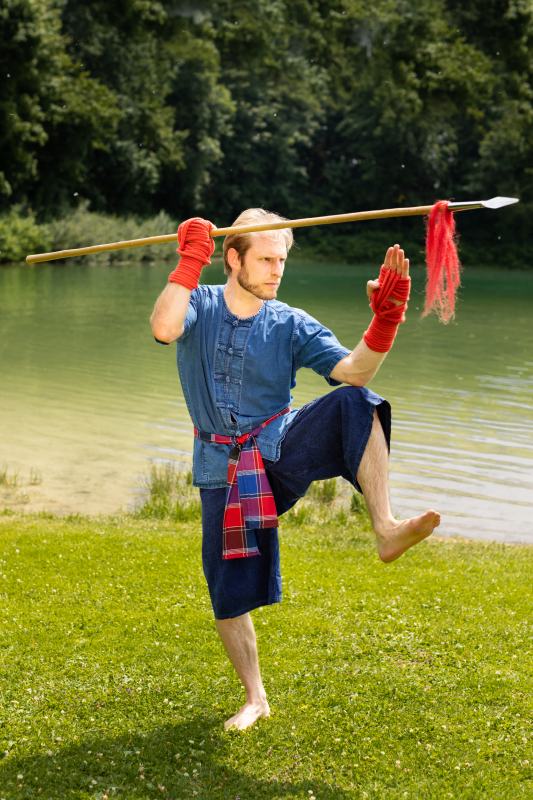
237 372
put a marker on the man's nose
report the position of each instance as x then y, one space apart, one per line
278 268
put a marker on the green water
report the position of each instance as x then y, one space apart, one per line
88 400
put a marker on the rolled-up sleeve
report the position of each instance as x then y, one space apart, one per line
316 347
191 316
190 319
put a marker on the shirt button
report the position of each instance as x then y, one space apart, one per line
235 323
230 350
227 378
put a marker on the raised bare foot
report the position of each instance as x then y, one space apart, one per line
248 715
395 539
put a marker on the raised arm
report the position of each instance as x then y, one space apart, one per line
195 248
388 297
168 317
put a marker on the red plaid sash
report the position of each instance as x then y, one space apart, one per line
249 500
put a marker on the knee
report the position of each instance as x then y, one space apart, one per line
352 396
234 622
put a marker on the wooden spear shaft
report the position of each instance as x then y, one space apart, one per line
356 216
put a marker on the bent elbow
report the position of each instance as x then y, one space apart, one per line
359 380
164 334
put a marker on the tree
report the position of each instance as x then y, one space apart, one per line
406 97
48 104
161 65
266 64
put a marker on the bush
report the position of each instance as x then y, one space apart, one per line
82 227
20 234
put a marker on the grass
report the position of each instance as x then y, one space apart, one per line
13 487
170 495
8 479
407 680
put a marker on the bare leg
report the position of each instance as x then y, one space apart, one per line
238 637
393 536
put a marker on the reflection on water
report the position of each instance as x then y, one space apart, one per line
87 400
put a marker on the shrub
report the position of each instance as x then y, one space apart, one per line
20 234
82 227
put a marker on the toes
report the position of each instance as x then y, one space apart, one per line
435 517
246 718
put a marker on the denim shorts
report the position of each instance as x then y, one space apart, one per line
326 439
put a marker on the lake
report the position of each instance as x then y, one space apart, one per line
88 401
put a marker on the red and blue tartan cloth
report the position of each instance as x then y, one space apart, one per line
249 500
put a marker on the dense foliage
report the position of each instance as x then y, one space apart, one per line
304 106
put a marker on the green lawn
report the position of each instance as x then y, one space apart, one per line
407 680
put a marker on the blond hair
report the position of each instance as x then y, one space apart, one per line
241 242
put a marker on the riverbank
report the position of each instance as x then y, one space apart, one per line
384 680
22 233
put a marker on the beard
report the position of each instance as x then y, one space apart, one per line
257 289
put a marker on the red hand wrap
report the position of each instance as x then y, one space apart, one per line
382 331
195 249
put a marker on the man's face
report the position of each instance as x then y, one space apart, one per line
262 268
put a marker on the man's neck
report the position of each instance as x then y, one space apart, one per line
240 302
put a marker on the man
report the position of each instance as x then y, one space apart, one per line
238 352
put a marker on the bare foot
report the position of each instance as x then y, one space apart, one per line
393 541
248 715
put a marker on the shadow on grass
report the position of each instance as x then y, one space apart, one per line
172 762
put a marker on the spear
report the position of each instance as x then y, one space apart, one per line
356 216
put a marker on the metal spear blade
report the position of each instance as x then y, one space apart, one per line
499 202
493 203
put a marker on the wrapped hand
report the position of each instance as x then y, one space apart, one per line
388 300
195 246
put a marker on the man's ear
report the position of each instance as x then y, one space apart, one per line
234 259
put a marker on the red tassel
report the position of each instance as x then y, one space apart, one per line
443 266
